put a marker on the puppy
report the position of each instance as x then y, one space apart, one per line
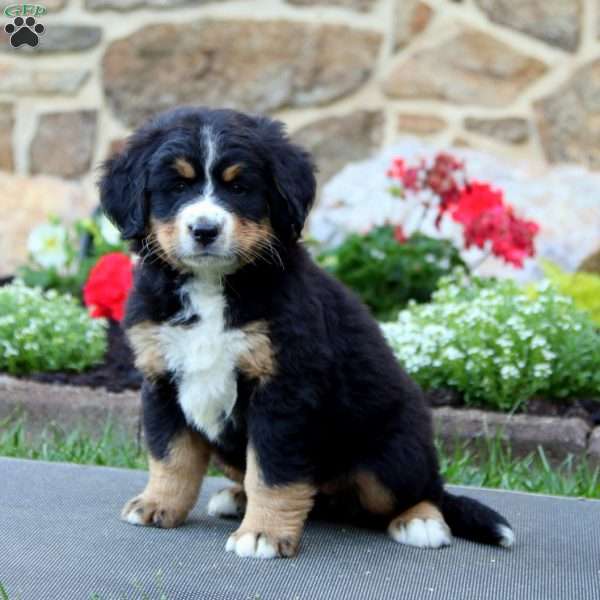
255 356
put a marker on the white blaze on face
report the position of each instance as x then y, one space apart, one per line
206 208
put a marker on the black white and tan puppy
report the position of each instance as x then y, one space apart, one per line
255 356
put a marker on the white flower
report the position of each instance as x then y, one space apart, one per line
108 231
47 245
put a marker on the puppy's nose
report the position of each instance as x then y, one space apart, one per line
205 232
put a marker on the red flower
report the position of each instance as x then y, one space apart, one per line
106 290
486 218
476 199
399 234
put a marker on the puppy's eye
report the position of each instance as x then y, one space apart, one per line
180 186
237 188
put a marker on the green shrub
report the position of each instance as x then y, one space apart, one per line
496 345
584 288
387 274
44 331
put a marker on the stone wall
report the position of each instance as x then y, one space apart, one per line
519 78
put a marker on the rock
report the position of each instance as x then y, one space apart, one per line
7 122
469 68
562 200
25 80
259 66
557 22
410 18
420 124
30 201
360 5
125 5
59 38
594 445
591 264
512 130
68 407
558 436
64 143
337 141
569 119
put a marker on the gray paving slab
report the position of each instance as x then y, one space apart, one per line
61 538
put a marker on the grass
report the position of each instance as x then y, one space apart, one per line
491 465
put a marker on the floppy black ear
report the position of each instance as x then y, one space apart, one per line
123 191
294 178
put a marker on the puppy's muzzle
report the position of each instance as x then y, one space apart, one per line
205 231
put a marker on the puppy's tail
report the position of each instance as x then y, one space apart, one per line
472 520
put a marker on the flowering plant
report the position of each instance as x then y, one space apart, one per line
488 221
496 345
46 331
60 258
108 285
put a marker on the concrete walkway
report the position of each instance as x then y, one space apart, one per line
61 539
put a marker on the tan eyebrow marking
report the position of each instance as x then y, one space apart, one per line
231 172
184 168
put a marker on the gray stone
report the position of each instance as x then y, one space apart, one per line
69 407
594 445
259 66
7 122
64 143
26 80
569 119
556 22
469 68
513 130
59 38
126 5
411 18
360 5
558 436
337 141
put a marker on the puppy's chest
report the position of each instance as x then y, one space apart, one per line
203 355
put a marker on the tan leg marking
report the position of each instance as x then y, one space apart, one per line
258 362
174 484
144 339
274 518
373 495
422 525
184 168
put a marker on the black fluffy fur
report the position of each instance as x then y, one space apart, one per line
339 401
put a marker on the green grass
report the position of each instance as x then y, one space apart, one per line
488 465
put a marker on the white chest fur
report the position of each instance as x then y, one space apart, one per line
204 356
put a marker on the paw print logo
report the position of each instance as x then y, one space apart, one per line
24 31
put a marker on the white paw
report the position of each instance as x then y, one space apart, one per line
251 545
423 533
225 504
507 536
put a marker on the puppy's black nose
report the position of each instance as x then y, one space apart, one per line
205 232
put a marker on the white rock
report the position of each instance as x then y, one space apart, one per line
564 201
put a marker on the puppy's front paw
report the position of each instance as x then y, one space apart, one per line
260 544
147 511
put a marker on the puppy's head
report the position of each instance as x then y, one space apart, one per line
206 188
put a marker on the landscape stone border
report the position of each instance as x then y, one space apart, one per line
87 408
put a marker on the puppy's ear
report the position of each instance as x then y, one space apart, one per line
123 191
294 178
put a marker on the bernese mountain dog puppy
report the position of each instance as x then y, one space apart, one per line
253 355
